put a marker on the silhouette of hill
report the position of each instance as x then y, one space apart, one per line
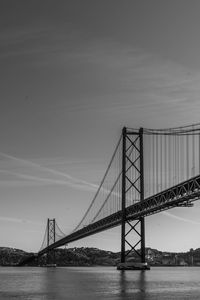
93 256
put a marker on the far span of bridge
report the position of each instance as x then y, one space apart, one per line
181 195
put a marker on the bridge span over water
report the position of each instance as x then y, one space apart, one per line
151 170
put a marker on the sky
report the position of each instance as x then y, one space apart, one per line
72 74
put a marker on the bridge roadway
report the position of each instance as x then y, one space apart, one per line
182 194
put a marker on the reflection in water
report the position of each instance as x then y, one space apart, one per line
52 280
132 285
123 283
142 284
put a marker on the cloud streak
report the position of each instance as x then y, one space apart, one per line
68 179
180 218
19 221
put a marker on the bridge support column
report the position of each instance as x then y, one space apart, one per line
132 192
51 238
142 220
123 228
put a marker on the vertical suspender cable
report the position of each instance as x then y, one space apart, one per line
161 163
153 163
169 161
165 162
199 151
193 152
157 165
187 156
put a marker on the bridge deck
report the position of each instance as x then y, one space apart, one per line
181 194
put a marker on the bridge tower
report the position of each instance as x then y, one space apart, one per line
132 187
51 238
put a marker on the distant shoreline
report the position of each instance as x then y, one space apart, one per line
85 256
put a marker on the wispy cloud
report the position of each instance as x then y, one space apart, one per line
29 40
19 221
125 77
122 72
58 176
180 218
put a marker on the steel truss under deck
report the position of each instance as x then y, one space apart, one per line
182 194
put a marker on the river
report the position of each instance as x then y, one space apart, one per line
91 283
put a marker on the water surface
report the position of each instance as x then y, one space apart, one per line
93 283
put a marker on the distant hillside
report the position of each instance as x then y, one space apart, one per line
93 256
86 256
64 257
11 256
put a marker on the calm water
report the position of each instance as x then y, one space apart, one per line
99 283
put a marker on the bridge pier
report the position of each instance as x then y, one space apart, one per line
51 238
132 189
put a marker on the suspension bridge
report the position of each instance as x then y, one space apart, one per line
151 170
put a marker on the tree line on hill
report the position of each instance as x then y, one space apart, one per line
93 256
